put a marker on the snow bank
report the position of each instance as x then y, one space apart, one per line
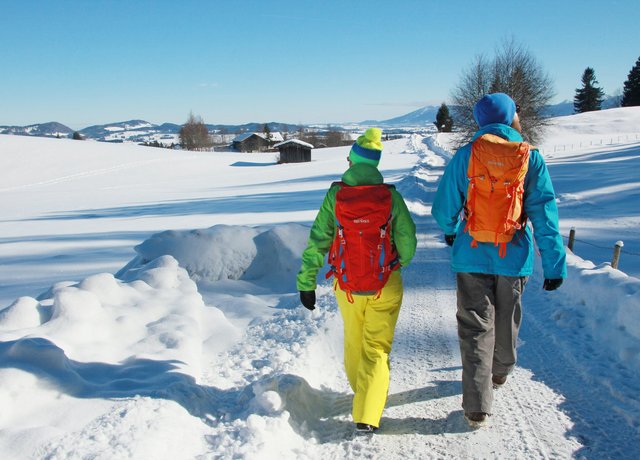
140 336
266 256
154 315
600 122
606 302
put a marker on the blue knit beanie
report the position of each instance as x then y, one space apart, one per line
494 108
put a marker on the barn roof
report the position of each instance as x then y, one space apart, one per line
242 137
275 137
294 141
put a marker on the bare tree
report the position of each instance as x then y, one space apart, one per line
514 71
335 138
194 134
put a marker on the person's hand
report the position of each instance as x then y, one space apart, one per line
308 299
551 284
449 239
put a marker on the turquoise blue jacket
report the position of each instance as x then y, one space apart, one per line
539 206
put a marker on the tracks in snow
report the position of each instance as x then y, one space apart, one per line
85 174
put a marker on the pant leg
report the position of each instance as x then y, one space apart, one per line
353 321
378 327
475 315
509 290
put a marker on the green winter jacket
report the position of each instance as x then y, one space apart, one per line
403 229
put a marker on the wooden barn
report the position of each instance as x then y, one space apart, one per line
256 142
294 151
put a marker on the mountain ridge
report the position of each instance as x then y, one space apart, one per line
137 130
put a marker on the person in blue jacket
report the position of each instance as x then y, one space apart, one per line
490 287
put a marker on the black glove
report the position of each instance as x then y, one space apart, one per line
308 299
449 239
551 284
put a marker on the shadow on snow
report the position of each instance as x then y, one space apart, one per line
323 414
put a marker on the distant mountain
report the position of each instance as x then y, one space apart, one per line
427 114
107 131
143 131
167 133
422 116
254 127
51 129
138 130
558 110
564 108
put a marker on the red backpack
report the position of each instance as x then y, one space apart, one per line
362 256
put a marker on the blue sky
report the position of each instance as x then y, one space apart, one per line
94 61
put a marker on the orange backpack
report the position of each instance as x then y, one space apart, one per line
496 172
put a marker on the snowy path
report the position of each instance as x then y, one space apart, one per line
423 418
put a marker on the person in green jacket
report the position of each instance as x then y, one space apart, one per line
369 318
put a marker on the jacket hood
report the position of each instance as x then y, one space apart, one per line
362 174
504 131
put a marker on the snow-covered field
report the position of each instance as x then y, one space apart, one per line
148 309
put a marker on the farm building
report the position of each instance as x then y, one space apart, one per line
294 151
256 142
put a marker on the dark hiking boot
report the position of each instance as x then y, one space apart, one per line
366 428
498 381
476 419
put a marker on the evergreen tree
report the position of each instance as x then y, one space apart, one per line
631 92
443 122
590 96
267 132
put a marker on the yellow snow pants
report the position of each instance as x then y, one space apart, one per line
369 324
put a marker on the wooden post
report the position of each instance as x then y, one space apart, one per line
572 238
616 254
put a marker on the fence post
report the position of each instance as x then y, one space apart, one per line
572 238
616 254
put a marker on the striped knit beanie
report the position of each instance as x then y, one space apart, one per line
367 148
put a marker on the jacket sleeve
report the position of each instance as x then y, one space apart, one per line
452 189
541 209
319 243
403 230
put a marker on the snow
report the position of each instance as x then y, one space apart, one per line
274 136
148 308
294 141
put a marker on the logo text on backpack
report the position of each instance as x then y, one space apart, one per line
360 221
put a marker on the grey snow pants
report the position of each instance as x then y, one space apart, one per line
489 317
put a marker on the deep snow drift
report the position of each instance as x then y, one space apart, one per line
150 310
